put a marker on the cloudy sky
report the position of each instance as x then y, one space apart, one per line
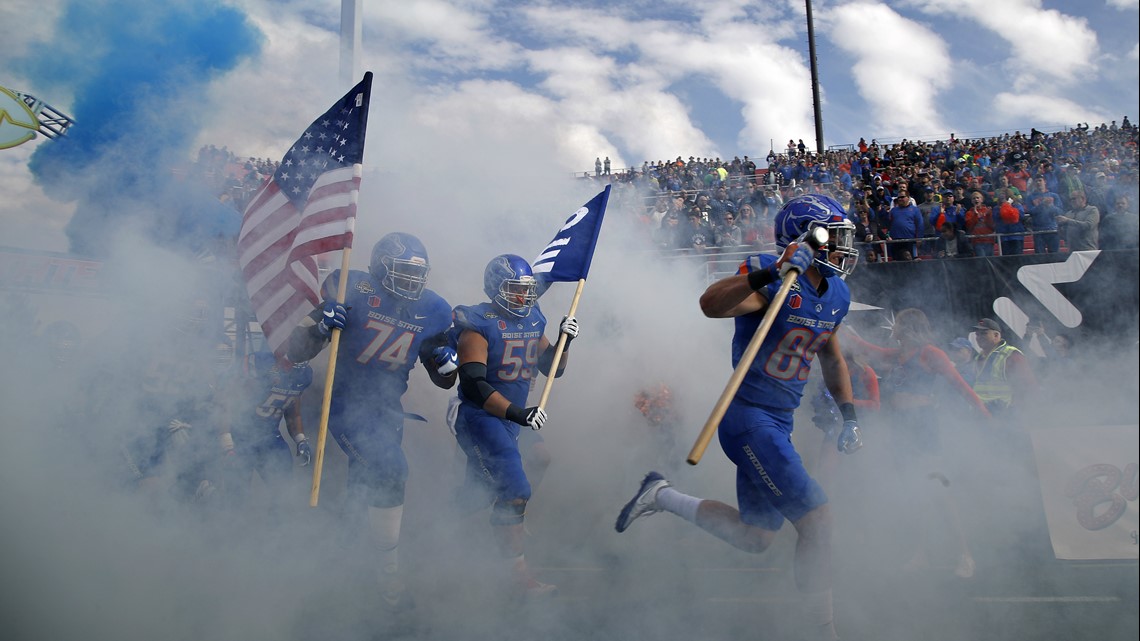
477 91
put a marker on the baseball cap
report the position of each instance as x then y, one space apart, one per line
988 323
1100 174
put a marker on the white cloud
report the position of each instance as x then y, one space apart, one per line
1044 42
900 65
1134 54
1124 5
1045 109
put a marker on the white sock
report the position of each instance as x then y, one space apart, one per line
385 523
820 617
682 505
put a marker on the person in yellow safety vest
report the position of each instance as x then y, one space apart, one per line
1002 376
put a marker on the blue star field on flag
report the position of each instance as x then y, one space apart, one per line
334 140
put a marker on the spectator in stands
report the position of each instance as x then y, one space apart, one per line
668 235
1080 223
948 211
1121 228
952 243
866 227
1010 222
980 225
1042 207
719 206
1097 193
729 234
905 224
696 233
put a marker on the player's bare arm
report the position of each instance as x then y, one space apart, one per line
731 297
835 374
473 369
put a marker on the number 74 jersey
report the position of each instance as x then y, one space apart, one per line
802 326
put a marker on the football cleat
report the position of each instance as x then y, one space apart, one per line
643 503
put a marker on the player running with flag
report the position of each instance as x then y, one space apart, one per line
501 344
772 484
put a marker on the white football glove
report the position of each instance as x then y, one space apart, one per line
569 327
179 432
535 418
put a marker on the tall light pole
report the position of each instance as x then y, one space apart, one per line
814 82
350 17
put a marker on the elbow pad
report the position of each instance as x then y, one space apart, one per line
473 383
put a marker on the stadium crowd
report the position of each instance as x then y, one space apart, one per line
1009 194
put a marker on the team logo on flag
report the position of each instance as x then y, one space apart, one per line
567 257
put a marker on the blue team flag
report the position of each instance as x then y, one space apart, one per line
567 258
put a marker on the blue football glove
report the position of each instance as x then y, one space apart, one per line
304 452
850 440
797 256
446 360
332 317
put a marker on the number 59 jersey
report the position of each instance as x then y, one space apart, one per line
512 346
802 326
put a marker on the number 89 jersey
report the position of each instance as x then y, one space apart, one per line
512 346
802 326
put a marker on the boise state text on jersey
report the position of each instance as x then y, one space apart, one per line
801 328
512 346
379 353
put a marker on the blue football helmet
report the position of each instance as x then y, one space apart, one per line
509 282
400 265
802 213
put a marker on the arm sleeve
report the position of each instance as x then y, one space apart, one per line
871 381
872 350
936 360
306 340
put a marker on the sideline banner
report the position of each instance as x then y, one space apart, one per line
1093 294
1089 487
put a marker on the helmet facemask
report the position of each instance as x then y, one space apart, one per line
839 256
517 295
405 277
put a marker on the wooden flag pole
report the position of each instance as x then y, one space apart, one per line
561 345
326 402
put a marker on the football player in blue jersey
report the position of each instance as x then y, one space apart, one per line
387 321
501 344
772 484
265 392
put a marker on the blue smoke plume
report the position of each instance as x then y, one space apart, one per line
138 70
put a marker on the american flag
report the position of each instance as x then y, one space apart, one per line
307 208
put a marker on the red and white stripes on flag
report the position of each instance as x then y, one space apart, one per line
278 245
